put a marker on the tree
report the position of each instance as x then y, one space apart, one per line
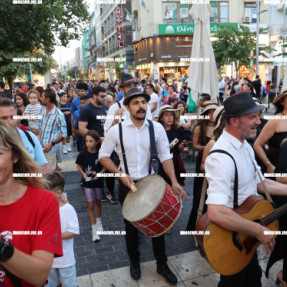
234 44
27 28
41 63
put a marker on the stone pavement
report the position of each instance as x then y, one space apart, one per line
106 263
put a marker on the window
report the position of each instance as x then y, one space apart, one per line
220 12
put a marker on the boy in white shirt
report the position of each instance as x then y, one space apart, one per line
63 271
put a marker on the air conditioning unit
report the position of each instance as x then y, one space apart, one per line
246 19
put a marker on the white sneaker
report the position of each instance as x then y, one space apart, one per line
95 236
69 147
64 149
99 227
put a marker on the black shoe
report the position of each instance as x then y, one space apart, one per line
135 270
104 197
164 271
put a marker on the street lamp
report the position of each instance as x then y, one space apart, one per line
257 35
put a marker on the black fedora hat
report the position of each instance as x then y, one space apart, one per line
135 92
240 104
127 79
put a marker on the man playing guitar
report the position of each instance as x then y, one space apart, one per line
242 116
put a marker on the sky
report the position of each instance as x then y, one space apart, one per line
62 54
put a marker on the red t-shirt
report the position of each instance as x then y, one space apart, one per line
37 210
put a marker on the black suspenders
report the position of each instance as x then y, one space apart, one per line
235 191
152 146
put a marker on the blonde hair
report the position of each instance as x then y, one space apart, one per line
10 139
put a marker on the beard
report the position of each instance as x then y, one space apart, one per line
139 118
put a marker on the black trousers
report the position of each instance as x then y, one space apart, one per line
249 276
110 181
197 188
132 238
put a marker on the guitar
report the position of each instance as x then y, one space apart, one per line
229 252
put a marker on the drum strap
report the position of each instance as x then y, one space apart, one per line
152 146
123 149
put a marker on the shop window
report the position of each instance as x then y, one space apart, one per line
220 11
174 12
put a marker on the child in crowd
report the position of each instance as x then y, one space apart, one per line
63 271
66 108
34 109
89 166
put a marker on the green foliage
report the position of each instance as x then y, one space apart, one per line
235 44
11 69
26 28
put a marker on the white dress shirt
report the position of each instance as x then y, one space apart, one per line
112 110
220 171
154 98
137 146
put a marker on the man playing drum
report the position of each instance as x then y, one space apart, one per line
136 142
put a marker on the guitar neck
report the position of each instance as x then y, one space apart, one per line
274 215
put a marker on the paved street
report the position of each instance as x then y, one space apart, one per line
106 263
110 252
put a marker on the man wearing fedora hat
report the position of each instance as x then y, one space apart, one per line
118 109
242 116
135 162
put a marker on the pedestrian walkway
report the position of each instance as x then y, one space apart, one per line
106 263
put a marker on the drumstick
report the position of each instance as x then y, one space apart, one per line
173 143
133 188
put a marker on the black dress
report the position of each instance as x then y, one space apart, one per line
280 249
177 161
274 147
197 187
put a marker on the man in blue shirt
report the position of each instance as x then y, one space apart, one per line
83 91
32 144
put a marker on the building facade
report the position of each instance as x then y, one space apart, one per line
163 34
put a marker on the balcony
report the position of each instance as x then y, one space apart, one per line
277 30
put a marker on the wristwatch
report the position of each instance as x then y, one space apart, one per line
6 250
53 143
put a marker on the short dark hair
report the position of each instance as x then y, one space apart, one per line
55 181
257 76
98 89
82 86
206 97
51 95
7 102
143 81
55 84
164 79
2 85
151 86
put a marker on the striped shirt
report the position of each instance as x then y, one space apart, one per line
34 110
52 126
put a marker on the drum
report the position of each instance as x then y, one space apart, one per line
153 208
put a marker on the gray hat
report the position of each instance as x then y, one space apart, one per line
135 92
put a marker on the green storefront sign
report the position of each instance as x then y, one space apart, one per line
187 28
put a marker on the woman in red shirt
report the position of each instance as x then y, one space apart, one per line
30 232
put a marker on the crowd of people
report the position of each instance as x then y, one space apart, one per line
115 126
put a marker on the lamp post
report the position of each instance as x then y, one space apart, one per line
257 36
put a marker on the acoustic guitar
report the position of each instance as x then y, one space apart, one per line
229 252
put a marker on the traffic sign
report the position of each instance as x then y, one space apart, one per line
75 69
